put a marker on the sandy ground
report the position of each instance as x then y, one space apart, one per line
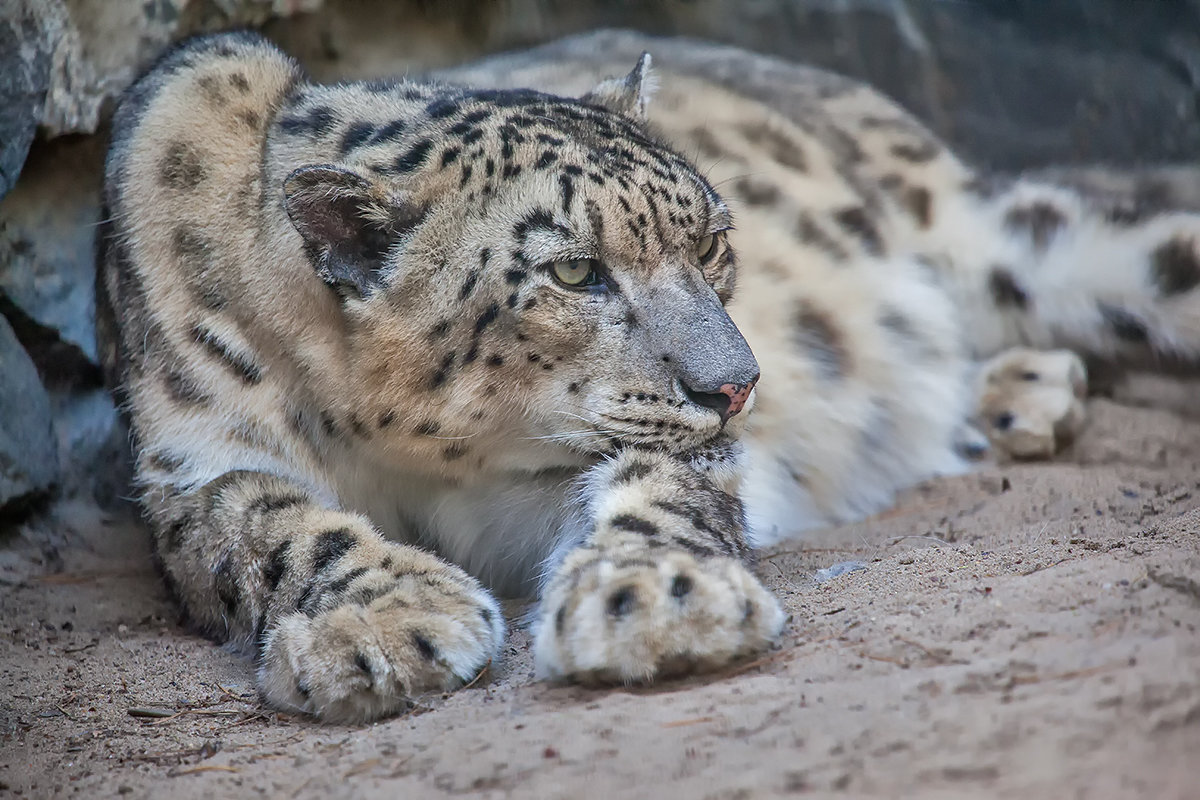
1025 631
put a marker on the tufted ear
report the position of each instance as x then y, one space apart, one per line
348 223
629 95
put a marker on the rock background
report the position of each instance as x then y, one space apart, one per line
1012 84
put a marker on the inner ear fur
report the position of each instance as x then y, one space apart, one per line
628 96
348 222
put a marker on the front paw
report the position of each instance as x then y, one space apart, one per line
356 663
634 617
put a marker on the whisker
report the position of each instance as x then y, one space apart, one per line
563 435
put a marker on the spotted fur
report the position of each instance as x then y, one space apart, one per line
361 391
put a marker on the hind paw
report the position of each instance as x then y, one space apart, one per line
1030 402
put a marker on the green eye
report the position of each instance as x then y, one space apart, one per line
706 248
576 273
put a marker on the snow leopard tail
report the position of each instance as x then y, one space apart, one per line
1104 264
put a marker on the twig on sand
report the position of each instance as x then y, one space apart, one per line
202 712
149 712
175 773
940 657
478 676
232 696
1068 675
362 766
895 539
680 723
255 716
1041 567
888 659
154 716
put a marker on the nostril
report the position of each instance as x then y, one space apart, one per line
717 401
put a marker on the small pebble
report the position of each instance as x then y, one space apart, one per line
839 568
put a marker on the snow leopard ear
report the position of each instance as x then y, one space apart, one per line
628 96
349 224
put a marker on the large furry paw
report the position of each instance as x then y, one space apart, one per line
636 616
1030 402
353 663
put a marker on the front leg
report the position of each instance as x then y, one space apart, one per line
349 626
658 586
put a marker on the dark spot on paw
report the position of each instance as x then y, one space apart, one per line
560 620
330 546
633 471
1030 376
1004 421
681 586
632 524
622 601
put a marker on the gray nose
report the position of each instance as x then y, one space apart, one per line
715 366
709 358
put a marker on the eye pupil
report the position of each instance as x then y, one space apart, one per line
575 273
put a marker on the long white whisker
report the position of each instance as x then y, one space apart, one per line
576 416
563 435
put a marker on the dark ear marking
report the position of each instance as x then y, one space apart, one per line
626 96
348 222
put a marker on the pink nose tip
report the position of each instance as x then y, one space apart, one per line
738 394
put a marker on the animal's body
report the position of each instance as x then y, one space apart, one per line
389 347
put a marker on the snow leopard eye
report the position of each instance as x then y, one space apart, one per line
576 273
706 247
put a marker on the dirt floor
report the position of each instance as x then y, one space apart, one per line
1025 631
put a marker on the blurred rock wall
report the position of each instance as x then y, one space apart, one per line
1012 84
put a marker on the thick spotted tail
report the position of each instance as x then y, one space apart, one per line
1047 264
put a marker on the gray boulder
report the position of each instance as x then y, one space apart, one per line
47 232
24 80
28 450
